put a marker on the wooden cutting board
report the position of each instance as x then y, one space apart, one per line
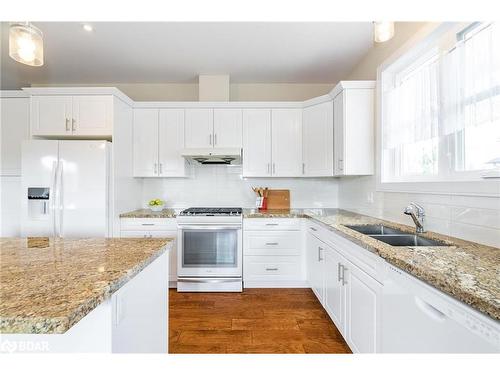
278 200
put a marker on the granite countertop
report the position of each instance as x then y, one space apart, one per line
467 271
48 285
253 213
147 213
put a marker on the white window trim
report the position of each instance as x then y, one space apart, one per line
483 187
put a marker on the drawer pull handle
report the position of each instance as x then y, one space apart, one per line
272 243
313 229
147 224
271 269
272 224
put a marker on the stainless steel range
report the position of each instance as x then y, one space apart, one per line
210 250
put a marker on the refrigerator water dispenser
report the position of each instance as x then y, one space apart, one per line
38 202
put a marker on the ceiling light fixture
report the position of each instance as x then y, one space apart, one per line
88 27
383 31
26 44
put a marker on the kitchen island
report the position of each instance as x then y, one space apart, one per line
84 295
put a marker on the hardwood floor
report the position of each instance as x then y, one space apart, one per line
255 321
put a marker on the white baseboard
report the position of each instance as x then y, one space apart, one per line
275 284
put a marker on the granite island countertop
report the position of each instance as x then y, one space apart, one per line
48 285
147 213
467 271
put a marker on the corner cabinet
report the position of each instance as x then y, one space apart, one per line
72 116
158 141
353 124
272 142
317 140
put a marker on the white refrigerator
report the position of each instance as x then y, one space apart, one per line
66 189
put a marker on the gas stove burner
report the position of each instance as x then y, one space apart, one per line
212 211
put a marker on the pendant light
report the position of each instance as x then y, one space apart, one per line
26 44
383 31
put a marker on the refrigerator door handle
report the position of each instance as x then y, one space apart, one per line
60 198
53 196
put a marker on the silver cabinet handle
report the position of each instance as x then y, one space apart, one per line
268 168
156 168
161 168
272 243
313 229
210 139
303 168
319 253
73 124
274 168
271 269
147 224
341 164
343 275
215 139
67 125
339 266
272 224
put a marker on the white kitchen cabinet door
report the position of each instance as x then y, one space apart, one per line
363 298
315 266
317 140
92 115
171 143
145 147
286 142
338 136
228 128
51 115
334 291
256 142
15 129
199 128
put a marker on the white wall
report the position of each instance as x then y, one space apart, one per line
223 186
470 217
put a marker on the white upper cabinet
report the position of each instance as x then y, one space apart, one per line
317 140
286 142
354 130
14 129
171 143
92 115
158 141
227 128
51 115
146 142
63 115
199 126
256 142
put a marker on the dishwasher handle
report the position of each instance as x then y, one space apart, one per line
430 310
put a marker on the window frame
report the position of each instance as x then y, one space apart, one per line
448 181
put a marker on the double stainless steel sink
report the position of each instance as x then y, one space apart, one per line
394 237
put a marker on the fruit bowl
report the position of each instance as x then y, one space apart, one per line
156 205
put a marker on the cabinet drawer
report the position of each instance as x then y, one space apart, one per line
133 224
271 243
271 224
271 268
147 234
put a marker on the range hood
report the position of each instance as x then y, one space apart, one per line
213 156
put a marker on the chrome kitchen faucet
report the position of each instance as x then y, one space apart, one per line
417 213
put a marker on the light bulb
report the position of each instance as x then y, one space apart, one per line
26 48
383 31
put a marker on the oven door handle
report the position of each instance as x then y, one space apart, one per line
209 281
210 227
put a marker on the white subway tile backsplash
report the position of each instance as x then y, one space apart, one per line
472 218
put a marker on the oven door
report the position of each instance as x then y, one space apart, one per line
210 251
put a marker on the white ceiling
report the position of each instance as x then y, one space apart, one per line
160 52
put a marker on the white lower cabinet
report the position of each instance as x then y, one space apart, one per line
350 296
153 228
272 250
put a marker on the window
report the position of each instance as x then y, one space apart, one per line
441 107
